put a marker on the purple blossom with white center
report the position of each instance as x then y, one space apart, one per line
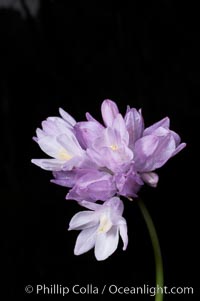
100 228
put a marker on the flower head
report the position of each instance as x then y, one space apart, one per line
102 160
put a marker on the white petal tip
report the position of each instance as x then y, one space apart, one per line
124 247
101 259
60 110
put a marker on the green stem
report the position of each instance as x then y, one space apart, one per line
156 249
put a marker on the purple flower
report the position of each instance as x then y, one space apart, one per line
100 227
99 161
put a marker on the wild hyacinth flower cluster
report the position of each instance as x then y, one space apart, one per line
101 162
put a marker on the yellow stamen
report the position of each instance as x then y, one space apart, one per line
105 224
63 155
114 147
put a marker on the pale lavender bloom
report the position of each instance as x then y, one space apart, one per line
111 149
57 139
99 161
100 227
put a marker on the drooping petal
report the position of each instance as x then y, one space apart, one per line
83 220
109 111
106 243
85 241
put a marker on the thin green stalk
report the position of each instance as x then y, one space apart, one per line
156 249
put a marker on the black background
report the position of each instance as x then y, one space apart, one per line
75 56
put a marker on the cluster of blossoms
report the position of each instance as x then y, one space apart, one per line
100 163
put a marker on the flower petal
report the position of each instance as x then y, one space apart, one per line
70 144
146 146
65 178
135 126
83 220
115 204
124 233
55 126
162 123
85 241
90 205
49 164
106 243
120 127
67 117
179 148
152 152
109 111
87 132
89 117
40 133
50 146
